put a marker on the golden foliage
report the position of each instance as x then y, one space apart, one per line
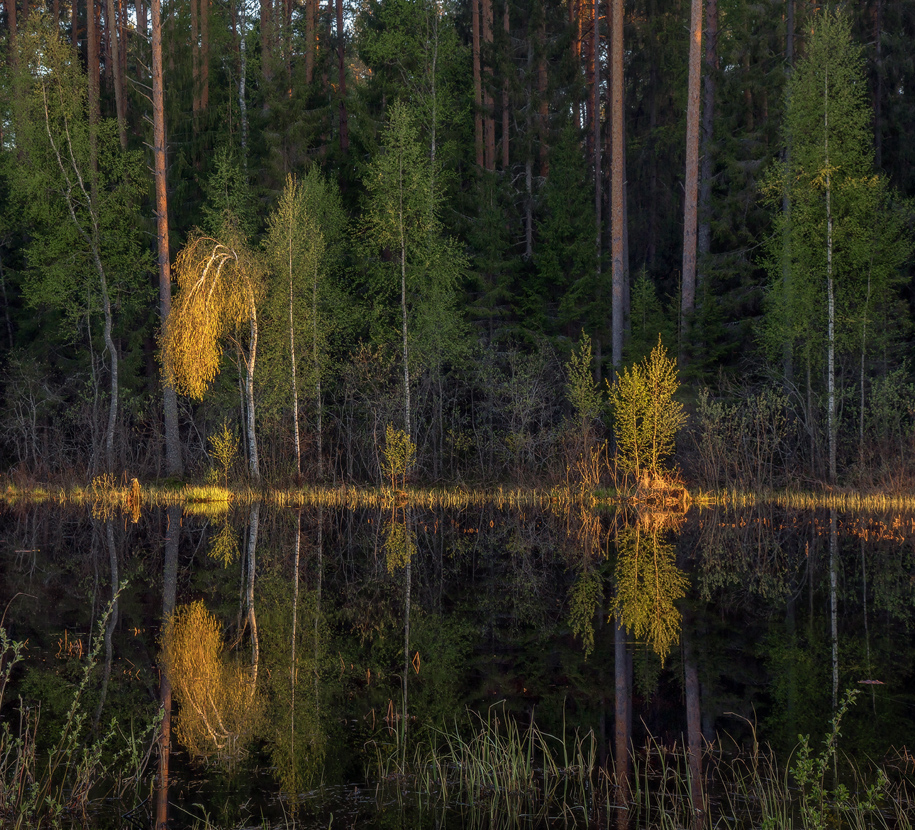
648 584
399 454
646 416
399 544
219 286
218 707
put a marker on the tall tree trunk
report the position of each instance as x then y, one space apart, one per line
543 112
616 179
403 300
878 97
142 21
242 80
74 23
598 195
173 462
709 82
310 41
489 124
688 280
830 302
119 96
477 81
319 403
341 81
787 346
506 27
11 22
204 55
195 62
169 591
292 366
250 361
266 12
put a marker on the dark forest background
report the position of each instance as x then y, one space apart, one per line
508 114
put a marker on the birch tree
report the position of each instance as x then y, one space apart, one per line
220 286
81 192
844 242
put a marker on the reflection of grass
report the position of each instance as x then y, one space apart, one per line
499 768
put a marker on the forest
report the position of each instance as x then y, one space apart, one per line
270 239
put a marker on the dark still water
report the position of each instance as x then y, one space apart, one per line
314 659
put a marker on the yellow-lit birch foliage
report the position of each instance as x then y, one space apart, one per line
218 709
219 287
646 415
648 584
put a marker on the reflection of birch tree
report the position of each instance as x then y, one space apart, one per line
648 584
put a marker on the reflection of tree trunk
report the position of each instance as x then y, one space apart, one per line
833 602
169 589
693 717
617 151
111 624
408 580
623 691
295 613
253 521
318 601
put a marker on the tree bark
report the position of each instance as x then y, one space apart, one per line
11 22
830 302
169 591
505 119
704 241
477 81
309 41
173 461
616 180
341 81
119 96
489 126
688 280
598 196
204 100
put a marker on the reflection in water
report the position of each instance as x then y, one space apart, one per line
648 583
488 597
112 619
169 590
217 703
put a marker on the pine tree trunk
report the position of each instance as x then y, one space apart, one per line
169 591
242 80
543 113
317 369
341 81
173 462
119 97
704 241
616 176
691 183
477 81
830 305
266 12
622 694
309 41
11 22
505 119
204 55
489 125
598 196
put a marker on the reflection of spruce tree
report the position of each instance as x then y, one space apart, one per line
648 584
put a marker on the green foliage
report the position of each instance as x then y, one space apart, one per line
810 770
648 584
646 416
648 321
399 544
224 448
405 232
827 127
583 393
78 189
584 595
399 454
